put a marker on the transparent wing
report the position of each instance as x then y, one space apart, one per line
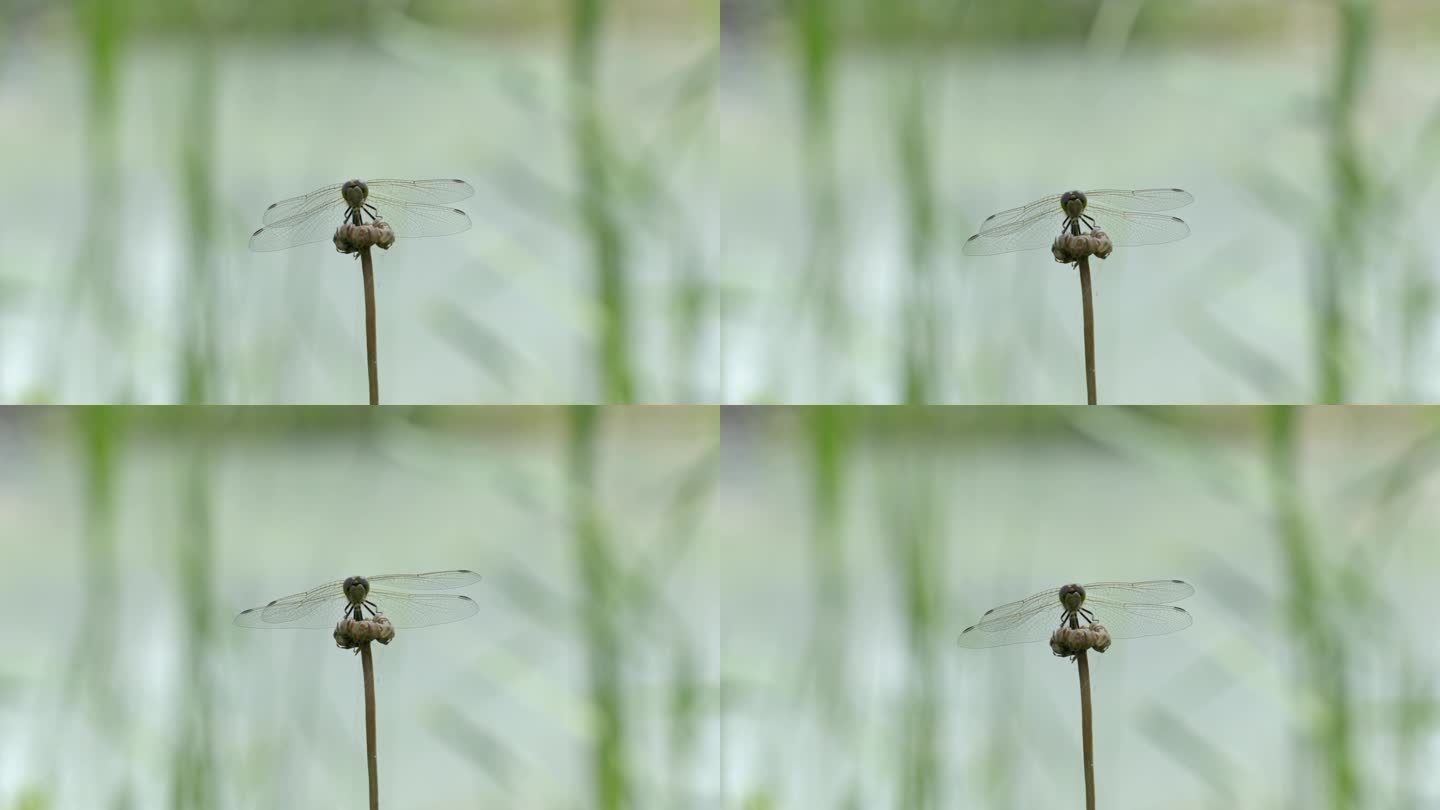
433 581
320 606
1129 228
1023 213
410 220
1145 199
1034 622
421 609
1151 592
1038 231
1023 606
289 208
421 191
1137 621
316 224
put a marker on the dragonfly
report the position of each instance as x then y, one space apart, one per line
353 597
1126 609
411 207
1129 218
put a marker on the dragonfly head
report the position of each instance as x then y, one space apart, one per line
354 192
1072 596
356 588
1073 204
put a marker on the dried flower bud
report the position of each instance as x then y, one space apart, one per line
352 238
350 633
1070 248
1067 641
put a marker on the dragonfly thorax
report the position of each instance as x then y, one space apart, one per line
1073 204
357 587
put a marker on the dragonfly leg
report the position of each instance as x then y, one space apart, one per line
1089 220
1089 617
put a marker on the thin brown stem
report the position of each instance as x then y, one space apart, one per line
368 666
1089 330
368 270
1087 740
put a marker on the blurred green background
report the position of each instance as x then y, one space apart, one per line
742 608
132 537
140 141
860 542
868 139
719 200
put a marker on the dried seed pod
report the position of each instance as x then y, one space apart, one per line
1070 248
352 238
1068 641
351 633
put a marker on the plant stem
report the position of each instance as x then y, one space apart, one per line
1089 333
368 270
1087 741
368 666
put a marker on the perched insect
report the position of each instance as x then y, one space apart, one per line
411 207
1123 215
1126 609
353 597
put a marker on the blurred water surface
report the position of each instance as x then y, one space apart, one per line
103 304
859 168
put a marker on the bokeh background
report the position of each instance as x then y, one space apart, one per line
744 201
863 541
131 538
140 141
867 139
751 608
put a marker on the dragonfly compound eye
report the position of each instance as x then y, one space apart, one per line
356 588
354 192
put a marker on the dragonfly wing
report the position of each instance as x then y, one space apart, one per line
289 208
1020 214
1152 592
314 225
1026 234
410 220
319 610
1145 199
432 581
1137 621
1129 228
422 609
1035 623
1025 606
421 191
